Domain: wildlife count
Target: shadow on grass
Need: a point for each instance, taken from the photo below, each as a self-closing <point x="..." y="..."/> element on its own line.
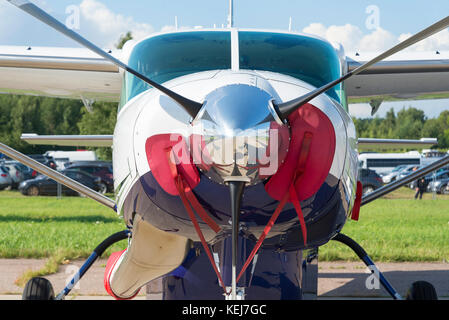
<point x="83" y="219"/>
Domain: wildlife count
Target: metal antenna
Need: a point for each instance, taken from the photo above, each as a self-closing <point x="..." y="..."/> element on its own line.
<point x="231" y="14"/>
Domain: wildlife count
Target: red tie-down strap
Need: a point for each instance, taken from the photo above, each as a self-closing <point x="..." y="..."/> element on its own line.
<point x="357" y="202"/>
<point x="187" y="193"/>
<point x="189" y="200"/>
<point x="289" y="195"/>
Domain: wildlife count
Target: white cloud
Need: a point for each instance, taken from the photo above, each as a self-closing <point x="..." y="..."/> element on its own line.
<point x="354" y="39"/>
<point x="348" y="35"/>
<point x="316" y="28"/>
<point x="106" y="26"/>
<point x="439" y="41"/>
<point x="378" y="40"/>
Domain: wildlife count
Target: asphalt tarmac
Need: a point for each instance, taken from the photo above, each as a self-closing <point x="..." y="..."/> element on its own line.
<point x="336" y="280"/>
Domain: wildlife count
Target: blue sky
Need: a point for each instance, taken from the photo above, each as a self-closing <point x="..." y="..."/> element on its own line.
<point x="345" y="21"/>
<point x="397" y="17"/>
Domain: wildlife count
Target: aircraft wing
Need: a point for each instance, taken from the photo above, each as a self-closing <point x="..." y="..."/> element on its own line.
<point x="69" y="140"/>
<point x="59" y="72"/>
<point x="422" y="75"/>
<point x="383" y="144"/>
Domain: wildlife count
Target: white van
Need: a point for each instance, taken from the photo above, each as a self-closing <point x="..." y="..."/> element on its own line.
<point x="62" y="157"/>
<point x="384" y="163"/>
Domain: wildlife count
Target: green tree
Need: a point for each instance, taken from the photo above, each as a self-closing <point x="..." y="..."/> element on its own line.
<point x="410" y="123"/>
<point x="123" y="39"/>
<point x="100" y="121"/>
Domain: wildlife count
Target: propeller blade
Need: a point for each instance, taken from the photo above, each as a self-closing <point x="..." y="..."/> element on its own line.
<point x="192" y="107"/>
<point x="286" y="108"/>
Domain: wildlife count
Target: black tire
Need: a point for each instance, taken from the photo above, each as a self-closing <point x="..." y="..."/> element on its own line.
<point x="102" y="188"/>
<point x="421" y="290"/>
<point x="38" y="289"/>
<point x="33" y="191"/>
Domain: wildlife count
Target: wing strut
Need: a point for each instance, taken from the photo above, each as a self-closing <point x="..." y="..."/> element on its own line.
<point x="407" y="179"/>
<point x="191" y="107"/>
<point x="57" y="176"/>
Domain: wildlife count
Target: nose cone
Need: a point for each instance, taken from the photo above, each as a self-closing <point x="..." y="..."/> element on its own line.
<point x="236" y="135"/>
<point x="236" y="107"/>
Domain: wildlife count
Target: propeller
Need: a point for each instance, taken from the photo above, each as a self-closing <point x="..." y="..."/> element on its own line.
<point x="285" y="109"/>
<point x="191" y="107"/>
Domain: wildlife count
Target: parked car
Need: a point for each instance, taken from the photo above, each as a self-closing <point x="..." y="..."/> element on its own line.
<point x="102" y="169"/>
<point x="393" y="174"/>
<point x="15" y="173"/>
<point x="428" y="177"/>
<point x="438" y="182"/>
<point x="43" y="185"/>
<point x="370" y="180"/>
<point x="27" y="172"/>
<point x="407" y="170"/>
<point x="48" y="161"/>
<point x="5" y="178"/>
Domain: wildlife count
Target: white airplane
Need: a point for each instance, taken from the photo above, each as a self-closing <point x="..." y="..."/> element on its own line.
<point x="234" y="154"/>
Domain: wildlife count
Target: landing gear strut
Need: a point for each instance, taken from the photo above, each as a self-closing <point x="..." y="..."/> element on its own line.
<point x="41" y="288"/>
<point x="236" y="190"/>
<point x="419" y="290"/>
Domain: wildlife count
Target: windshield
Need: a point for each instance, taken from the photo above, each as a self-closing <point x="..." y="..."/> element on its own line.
<point x="169" y="56"/>
<point x="308" y="59"/>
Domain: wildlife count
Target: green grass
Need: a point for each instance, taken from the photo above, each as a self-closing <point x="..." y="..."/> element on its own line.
<point x="398" y="228"/>
<point x="38" y="227"/>
<point x="395" y="228"/>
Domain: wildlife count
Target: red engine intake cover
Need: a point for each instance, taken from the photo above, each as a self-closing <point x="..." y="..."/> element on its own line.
<point x="307" y="119"/>
<point x="156" y="148"/>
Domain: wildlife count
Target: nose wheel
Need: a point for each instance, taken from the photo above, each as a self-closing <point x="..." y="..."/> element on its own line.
<point x="421" y="290"/>
<point x="38" y="289"/>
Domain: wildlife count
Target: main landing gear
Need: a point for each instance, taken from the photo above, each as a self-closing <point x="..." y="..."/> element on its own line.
<point x="419" y="290"/>
<point x="41" y="289"/>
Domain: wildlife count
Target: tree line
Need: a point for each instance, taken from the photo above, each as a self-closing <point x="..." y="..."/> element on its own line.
<point x="42" y="115"/>
<point x="410" y="123"/>
<point x="52" y="116"/>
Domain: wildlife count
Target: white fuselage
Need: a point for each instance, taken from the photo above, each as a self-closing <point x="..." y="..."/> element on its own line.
<point x="151" y="113"/>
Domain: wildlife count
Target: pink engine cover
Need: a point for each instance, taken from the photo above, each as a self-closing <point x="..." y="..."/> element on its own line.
<point x="321" y="153"/>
